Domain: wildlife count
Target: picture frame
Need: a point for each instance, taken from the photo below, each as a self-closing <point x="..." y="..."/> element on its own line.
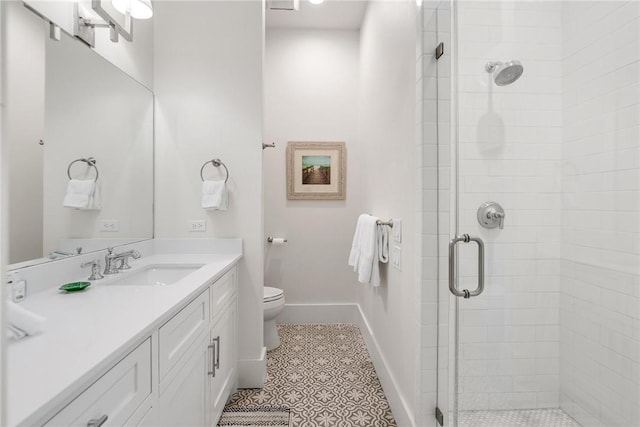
<point x="316" y="170"/>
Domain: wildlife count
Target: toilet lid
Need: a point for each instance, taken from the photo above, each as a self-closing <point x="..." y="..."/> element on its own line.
<point x="272" y="294"/>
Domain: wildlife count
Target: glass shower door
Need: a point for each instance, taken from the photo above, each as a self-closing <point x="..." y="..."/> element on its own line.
<point x="544" y="150"/>
<point x="506" y="155"/>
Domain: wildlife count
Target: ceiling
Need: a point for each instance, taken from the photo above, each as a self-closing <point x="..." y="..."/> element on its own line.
<point x="330" y="15"/>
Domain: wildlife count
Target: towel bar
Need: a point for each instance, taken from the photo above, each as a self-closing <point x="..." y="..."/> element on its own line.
<point x="389" y="223"/>
<point x="216" y="163"/>
<point x="89" y="161"/>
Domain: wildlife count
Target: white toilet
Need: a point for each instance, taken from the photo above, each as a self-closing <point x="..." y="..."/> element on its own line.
<point x="273" y="303"/>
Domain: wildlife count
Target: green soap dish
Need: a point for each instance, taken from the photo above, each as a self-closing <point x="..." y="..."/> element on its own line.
<point x="74" y="286"/>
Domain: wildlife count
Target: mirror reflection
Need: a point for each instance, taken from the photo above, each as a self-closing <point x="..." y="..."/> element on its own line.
<point x="73" y="117"/>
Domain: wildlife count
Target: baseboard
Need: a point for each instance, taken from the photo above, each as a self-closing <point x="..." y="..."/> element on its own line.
<point x="252" y="372"/>
<point x="401" y="412"/>
<point x="319" y="313"/>
<point x="351" y="313"/>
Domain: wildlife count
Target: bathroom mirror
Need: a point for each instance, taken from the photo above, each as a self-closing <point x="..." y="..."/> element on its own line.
<point x="64" y="102"/>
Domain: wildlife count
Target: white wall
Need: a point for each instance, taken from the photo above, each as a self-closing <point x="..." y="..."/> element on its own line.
<point x="600" y="311"/>
<point x="390" y="182"/>
<point x="25" y="127"/>
<point x="510" y="146"/>
<point x="311" y="89"/>
<point x="208" y="86"/>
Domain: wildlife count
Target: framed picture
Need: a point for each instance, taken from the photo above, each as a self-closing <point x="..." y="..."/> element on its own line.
<point x="316" y="170"/>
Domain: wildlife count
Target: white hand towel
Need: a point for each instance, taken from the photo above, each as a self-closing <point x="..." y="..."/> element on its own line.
<point x="23" y="320"/>
<point x="95" y="201"/>
<point x="80" y="194"/>
<point x="215" y="195"/>
<point x="364" y="250"/>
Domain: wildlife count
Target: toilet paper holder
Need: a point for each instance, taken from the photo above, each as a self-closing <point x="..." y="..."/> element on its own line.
<point x="270" y="239"/>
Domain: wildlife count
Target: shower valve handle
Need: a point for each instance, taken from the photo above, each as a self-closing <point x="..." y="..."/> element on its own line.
<point x="491" y="215"/>
<point x="495" y="215"/>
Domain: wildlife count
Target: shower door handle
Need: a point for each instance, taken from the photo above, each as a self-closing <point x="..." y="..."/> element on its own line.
<point x="465" y="293"/>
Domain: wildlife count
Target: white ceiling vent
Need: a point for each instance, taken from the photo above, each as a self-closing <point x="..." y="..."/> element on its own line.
<point x="284" y="4"/>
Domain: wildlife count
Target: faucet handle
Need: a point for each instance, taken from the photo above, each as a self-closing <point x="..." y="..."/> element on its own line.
<point x="95" y="269"/>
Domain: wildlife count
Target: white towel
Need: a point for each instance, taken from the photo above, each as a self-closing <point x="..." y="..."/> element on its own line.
<point x="82" y="194"/>
<point x="22" y="321"/>
<point x="215" y="196"/>
<point x="364" y="254"/>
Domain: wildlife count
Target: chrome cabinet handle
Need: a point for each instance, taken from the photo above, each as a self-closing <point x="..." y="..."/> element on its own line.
<point x="98" y="422"/>
<point x="217" y="362"/>
<point x="212" y="364"/>
<point x="465" y="293"/>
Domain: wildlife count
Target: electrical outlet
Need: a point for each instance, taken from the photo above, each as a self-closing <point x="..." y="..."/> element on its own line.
<point x="109" y="225"/>
<point x="198" y="225"/>
<point x="396" y="256"/>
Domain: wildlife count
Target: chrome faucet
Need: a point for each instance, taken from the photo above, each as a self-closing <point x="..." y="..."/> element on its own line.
<point x="111" y="260"/>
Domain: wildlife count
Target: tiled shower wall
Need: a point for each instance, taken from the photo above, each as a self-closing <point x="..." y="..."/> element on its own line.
<point x="510" y="147"/>
<point x="600" y="307"/>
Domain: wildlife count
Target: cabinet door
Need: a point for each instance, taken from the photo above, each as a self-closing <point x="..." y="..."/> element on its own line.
<point x="224" y="381"/>
<point x="184" y="394"/>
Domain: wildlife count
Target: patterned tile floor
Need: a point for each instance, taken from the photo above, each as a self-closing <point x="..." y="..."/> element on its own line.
<point x="323" y="373"/>
<point x="524" y="418"/>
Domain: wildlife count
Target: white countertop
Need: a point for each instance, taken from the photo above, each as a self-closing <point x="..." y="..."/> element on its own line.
<point x="88" y="331"/>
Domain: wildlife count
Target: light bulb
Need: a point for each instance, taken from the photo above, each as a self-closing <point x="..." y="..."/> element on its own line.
<point x="316" y="1"/>
<point x="139" y="9"/>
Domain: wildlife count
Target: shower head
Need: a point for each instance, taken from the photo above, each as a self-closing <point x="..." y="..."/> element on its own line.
<point x="504" y="73"/>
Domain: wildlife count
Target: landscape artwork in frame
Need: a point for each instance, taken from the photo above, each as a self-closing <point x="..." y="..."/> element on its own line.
<point x="316" y="170"/>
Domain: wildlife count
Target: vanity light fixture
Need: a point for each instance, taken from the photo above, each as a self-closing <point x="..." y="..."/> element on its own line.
<point x="118" y="26"/>
<point x="316" y="1"/>
<point x="138" y="9"/>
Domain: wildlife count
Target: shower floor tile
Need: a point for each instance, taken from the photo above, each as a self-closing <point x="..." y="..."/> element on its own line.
<point x="523" y="418"/>
<point x="323" y="373"/>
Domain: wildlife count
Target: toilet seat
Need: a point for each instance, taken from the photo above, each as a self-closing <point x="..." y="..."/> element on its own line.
<point x="272" y="294"/>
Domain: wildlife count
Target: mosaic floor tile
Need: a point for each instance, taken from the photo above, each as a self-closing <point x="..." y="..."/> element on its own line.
<point x="323" y="373"/>
<point x="524" y="418"/>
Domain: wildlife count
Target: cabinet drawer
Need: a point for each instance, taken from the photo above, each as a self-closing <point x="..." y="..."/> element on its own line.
<point x="115" y="395"/>
<point x="221" y="291"/>
<point x="179" y="333"/>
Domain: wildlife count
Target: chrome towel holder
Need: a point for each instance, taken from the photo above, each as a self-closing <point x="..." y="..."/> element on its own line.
<point x="389" y="223"/>
<point x="217" y="163"/>
<point x="89" y="161"/>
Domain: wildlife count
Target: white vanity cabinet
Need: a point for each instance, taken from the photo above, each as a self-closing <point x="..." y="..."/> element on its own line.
<point x="195" y="388"/>
<point x="115" y="397"/>
<point x="181" y="374"/>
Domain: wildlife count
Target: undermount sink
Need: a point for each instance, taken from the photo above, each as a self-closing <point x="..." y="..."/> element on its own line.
<point x="155" y="275"/>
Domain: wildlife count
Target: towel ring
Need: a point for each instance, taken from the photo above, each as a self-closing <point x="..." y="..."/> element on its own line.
<point x="89" y="161"/>
<point x="216" y="163"/>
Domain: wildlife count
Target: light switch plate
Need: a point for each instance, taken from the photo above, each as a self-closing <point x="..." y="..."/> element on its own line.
<point x="396" y="257"/>
<point x="396" y="230"/>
